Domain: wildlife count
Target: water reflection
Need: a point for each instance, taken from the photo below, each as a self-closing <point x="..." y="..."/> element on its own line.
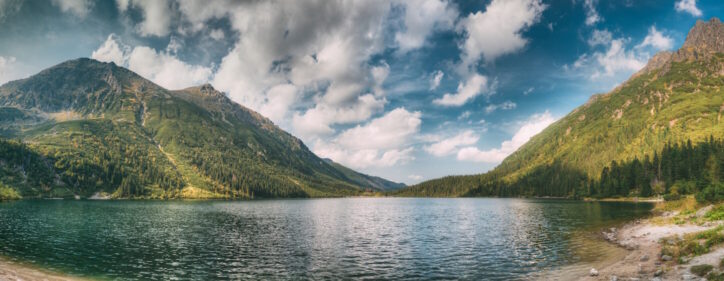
<point x="355" y="238"/>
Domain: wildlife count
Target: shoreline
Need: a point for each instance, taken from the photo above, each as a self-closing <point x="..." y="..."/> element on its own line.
<point x="644" y="240"/>
<point x="11" y="270"/>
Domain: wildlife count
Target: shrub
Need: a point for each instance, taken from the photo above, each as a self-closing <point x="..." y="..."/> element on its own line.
<point x="672" y="197"/>
<point x="8" y="193"/>
<point x="712" y="193"/>
<point x="701" y="269"/>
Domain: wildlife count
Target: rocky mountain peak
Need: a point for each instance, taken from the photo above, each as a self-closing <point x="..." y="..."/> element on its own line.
<point x="706" y="35"/>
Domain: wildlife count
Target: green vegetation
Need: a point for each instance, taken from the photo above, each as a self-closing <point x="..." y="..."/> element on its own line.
<point x="678" y="170"/>
<point x="7" y="193"/>
<point x="702" y="269"/>
<point x="638" y="140"/>
<point x="85" y="127"/>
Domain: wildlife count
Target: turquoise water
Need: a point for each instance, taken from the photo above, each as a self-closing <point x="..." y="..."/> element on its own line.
<point x="350" y="238"/>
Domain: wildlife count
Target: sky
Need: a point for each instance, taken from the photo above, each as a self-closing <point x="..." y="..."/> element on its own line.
<point x="406" y="90"/>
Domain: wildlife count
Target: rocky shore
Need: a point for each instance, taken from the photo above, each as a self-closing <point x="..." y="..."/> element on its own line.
<point x="645" y="239"/>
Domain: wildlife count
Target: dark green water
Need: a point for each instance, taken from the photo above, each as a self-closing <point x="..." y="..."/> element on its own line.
<point x="353" y="238"/>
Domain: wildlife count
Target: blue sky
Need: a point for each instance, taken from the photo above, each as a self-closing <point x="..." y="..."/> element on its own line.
<point x="406" y="90"/>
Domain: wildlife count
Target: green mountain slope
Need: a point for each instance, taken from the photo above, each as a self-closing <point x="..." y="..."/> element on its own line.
<point x="95" y="128"/>
<point x="677" y="97"/>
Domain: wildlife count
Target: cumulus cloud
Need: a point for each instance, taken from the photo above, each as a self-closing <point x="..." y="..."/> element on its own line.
<point x="79" y="8"/>
<point x="317" y="121"/>
<point x="327" y="57"/>
<point x="280" y="99"/>
<point x="157" y="15"/>
<point x="657" y="40"/>
<point x="534" y="125"/>
<point x="600" y="37"/>
<point x="436" y="78"/>
<point x="217" y="34"/>
<point x="382" y="142"/>
<point x="474" y="86"/>
<point x="613" y="58"/>
<point x="498" y="30"/>
<point x="450" y="145"/>
<point x="688" y="6"/>
<point x="161" y="67"/>
<point x="506" y="105"/>
<point x="112" y="50"/>
<point x="421" y="18"/>
<point x="592" y="16"/>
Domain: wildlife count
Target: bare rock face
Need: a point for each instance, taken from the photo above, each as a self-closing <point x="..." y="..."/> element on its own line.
<point x="704" y="40"/>
<point x="706" y="36"/>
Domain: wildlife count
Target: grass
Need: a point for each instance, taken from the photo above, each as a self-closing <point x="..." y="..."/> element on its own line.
<point x="8" y="193"/>
<point x="694" y="244"/>
<point x="702" y="269"/>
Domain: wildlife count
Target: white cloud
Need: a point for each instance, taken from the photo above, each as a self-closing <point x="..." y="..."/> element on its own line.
<point x="688" y="6"/>
<point x="497" y="31"/>
<point x="382" y="142"/>
<point x="379" y="75"/>
<point x="657" y="40"/>
<point x="592" y="16"/>
<point x="506" y="105"/>
<point x="474" y="86"/>
<point x="8" y="69"/>
<point x="450" y="145"/>
<point x="326" y="56"/>
<point x="280" y="99"/>
<point x="111" y="50"/>
<point x="415" y="177"/>
<point x="162" y="67"/>
<point x="600" y="37"/>
<point x="436" y="78"/>
<point x="615" y="60"/>
<point x="217" y="34"/>
<point x="465" y="115"/>
<point x="79" y="8"/>
<point x="317" y="121"/>
<point x="528" y="91"/>
<point x="156" y="16"/>
<point x="534" y="125"/>
<point x="421" y="18"/>
<point x="389" y="131"/>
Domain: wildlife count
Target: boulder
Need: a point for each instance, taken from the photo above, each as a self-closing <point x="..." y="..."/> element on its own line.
<point x="593" y="272"/>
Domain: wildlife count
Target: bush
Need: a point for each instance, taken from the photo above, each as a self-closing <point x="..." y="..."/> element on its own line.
<point x="702" y="269"/>
<point x="672" y="197"/>
<point x="712" y="193"/>
<point x="8" y="193"/>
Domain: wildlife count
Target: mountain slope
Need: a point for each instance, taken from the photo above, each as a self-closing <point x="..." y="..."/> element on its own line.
<point x="101" y="128"/>
<point x="677" y="97"/>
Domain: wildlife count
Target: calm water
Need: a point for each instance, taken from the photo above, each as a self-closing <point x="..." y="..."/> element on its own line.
<point x="354" y="238"/>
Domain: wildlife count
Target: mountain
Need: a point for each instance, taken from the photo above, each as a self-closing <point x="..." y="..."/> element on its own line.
<point x="677" y="98"/>
<point x="86" y="128"/>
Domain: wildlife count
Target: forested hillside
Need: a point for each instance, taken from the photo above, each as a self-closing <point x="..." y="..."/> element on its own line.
<point x="85" y="128"/>
<point x="676" y="101"/>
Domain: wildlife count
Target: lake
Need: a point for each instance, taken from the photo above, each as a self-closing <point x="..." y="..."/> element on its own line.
<point x="348" y="238"/>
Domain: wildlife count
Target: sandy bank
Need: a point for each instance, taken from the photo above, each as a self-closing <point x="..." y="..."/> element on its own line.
<point x="12" y="271"/>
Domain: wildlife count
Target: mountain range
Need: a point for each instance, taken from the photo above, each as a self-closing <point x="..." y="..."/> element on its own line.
<point x="678" y="97"/>
<point x="85" y="128"/>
